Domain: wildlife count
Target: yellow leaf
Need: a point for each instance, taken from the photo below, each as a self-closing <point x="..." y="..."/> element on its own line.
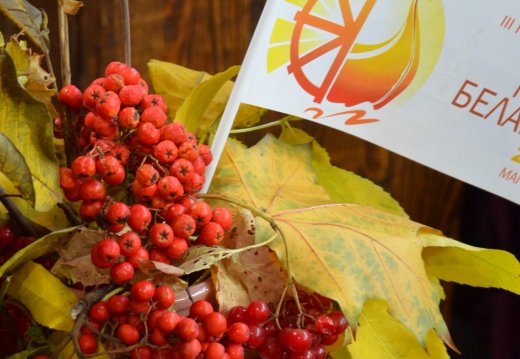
<point x="28" y="125"/>
<point x="379" y="336"/>
<point x="49" y="300"/>
<point x="342" y="186"/>
<point x="175" y="83"/>
<point x="454" y="261"/>
<point x="41" y="247"/>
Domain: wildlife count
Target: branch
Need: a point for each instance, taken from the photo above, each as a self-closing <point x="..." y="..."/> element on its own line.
<point x="125" y="24"/>
<point x="16" y="214"/>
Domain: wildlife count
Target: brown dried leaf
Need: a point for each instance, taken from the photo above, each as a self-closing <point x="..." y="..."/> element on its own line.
<point x="71" y="7"/>
<point x="74" y="263"/>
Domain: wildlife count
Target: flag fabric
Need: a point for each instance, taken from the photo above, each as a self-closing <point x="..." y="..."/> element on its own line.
<point x="435" y="81"/>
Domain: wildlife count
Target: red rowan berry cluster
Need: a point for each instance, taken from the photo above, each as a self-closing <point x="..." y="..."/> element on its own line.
<point x="126" y="141"/>
<point x="146" y="324"/>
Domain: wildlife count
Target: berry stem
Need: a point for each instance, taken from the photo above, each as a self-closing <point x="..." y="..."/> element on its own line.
<point x="16" y="214"/>
<point x="125" y="24"/>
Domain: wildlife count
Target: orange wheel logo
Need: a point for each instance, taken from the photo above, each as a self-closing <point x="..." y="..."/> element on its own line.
<point x="354" y="52"/>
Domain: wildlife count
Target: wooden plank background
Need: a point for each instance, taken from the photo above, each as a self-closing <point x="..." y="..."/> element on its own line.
<point x="212" y="35"/>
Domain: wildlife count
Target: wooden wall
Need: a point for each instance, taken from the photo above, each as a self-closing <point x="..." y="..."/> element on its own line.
<point x="212" y="35"/>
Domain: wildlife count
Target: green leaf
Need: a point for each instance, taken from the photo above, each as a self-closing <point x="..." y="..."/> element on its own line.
<point x="40" y="247"/>
<point x="45" y="296"/>
<point x="454" y="261"/>
<point x="174" y="83"/>
<point x="13" y="166"/>
<point x="192" y="109"/>
<point x="341" y="185"/>
<point x="28" y="125"/>
<point x="31" y="20"/>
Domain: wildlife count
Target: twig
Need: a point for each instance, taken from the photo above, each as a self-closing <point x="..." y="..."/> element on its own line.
<point x="71" y="215"/>
<point x="64" y="45"/>
<point x="16" y="214"/>
<point x="125" y="24"/>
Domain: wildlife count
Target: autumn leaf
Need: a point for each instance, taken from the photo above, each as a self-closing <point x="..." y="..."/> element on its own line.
<point x="31" y="20"/>
<point x="75" y="264"/>
<point x="45" y="296"/>
<point x="71" y="7"/>
<point x="341" y="185"/>
<point x="14" y="167"/>
<point x="175" y="83"/>
<point x="347" y="252"/>
<point x="377" y="333"/>
<point x="28" y="125"/>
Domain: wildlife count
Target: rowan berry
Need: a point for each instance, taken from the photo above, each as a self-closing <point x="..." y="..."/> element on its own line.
<point x="201" y="213"/>
<point x="140" y="218"/>
<point x="122" y="272"/>
<point x="142" y="290"/>
<point x="189" y="151"/>
<point x="222" y="216"/>
<point x="238" y="332"/>
<point x="187" y="329"/>
<point x="128" y="334"/>
<point x="168" y="321"/>
<point x="158" y="337"/>
<point x="99" y="312"/>
<point x="118" y="304"/>
<point x="108" y="105"/>
<point x="200" y="309"/>
<point x="175" y="132"/>
<point x="129" y="242"/>
<point x="173" y="211"/>
<point x="205" y="153"/>
<point x="105" y="127"/>
<point x="92" y="94"/>
<point x="92" y="190"/>
<point x="184" y="226"/>
<point x="154" y="100"/>
<point x="147" y="175"/>
<point x="182" y="169"/>
<point x="114" y="82"/>
<point x="215" y="324"/>
<point x="164" y="296"/>
<point x="138" y="257"/>
<point x="194" y="184"/>
<point x="143" y="193"/>
<point x="166" y="152"/>
<point x="128" y="118"/>
<point x="87" y="210"/>
<point x="116" y="178"/>
<point x="144" y="87"/>
<point x="178" y="247"/>
<point x="121" y="152"/>
<point x="199" y="166"/>
<point x="154" y="115"/>
<point x="83" y="167"/>
<point x="147" y="134"/>
<point x="190" y="349"/>
<point x="108" y="251"/>
<point x="187" y="202"/>
<point x="71" y="97"/>
<point x="113" y="67"/>
<point x="67" y="179"/>
<point x="161" y="235"/>
<point x="87" y="344"/>
<point x="170" y="188"/>
<point x="130" y="74"/>
<point x="215" y="351"/>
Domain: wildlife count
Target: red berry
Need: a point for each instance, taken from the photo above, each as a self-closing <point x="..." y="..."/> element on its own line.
<point x="158" y="337"/>
<point x="87" y="210"/>
<point x="131" y="95"/>
<point x="184" y="226"/>
<point x="235" y="351"/>
<point x="205" y="153"/>
<point x="238" y="332"/>
<point x="166" y="152"/>
<point x="340" y="322"/>
<point x="199" y="166"/>
<point x="136" y="259"/>
<point x="182" y="169"/>
<point x="140" y="218"/>
<point x="6" y="236"/>
<point x="142" y="290"/>
<point x="67" y="179"/>
<point x="83" y="166"/>
<point x="170" y="188"/>
<point x="257" y="312"/>
<point x="211" y="234"/>
<point x="128" y="334"/>
<point x="114" y="82"/>
<point x="128" y="118"/>
<point x="161" y="235"/>
<point x="118" y="304"/>
<point x="173" y="211"/>
<point x="190" y="349"/>
<point x="99" y="312"/>
<point x="201" y="309"/>
<point x="168" y="321"/>
<point x="154" y="100"/>
<point x="71" y="97"/>
<point x="116" y="178"/>
<point x="114" y="67"/>
<point x="108" y="105"/>
<point x="143" y="352"/>
<point x="121" y="152"/>
<point x="178" y="247"/>
<point x="107" y="165"/>
<point x="194" y="184"/>
<point x="129" y="242"/>
<point x="215" y="351"/>
<point x="131" y="75"/>
<point x="237" y="314"/>
<point x="147" y="134"/>
<point x="87" y="344"/>
<point x="147" y="175"/>
<point x="187" y="329"/>
<point x="189" y="151"/>
<point x="297" y="340"/>
<point x="92" y="190"/>
<point x="215" y="324"/>
<point x="92" y="94"/>
<point x="122" y="272"/>
<point x="256" y="336"/>
<point x="222" y="216"/>
<point x="164" y="296"/>
<point x="106" y="251"/>
<point x="117" y="213"/>
<point x="154" y="115"/>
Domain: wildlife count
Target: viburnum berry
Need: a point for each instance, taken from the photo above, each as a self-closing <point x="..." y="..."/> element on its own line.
<point x="131" y="95"/>
<point x="154" y="115"/>
<point x="108" y="105"/>
<point x="168" y="321"/>
<point x="122" y="272"/>
<point x="87" y="344"/>
<point x="158" y="337"/>
<point x="129" y="243"/>
<point x="238" y="332"/>
<point x="142" y="290"/>
<point x="235" y="351"/>
<point x="215" y="324"/>
<point x="340" y="321"/>
<point x="71" y="97"/>
<point x="166" y="152"/>
<point x="297" y="340"/>
<point x="140" y="218"/>
<point x="83" y="166"/>
<point x="211" y="234"/>
<point x="257" y="312"/>
<point x="143" y="352"/>
<point x="190" y="349"/>
<point x="92" y="94"/>
<point x="256" y="336"/>
<point x="187" y="329"/>
<point x="236" y="314"/>
<point x="147" y="134"/>
<point x="128" y="334"/>
<point x="99" y="312"/>
<point x="215" y="351"/>
<point x="128" y="118"/>
<point x="164" y="296"/>
<point x="6" y="236"/>
<point x="324" y="325"/>
<point x="200" y="309"/>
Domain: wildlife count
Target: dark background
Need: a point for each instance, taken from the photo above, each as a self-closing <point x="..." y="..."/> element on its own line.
<point x="212" y="35"/>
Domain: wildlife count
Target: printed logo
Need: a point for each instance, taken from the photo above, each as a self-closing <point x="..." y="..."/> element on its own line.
<point x="358" y="51"/>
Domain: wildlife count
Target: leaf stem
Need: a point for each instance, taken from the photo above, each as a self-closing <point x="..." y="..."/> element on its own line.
<point x="125" y="24"/>
<point x="281" y="122"/>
